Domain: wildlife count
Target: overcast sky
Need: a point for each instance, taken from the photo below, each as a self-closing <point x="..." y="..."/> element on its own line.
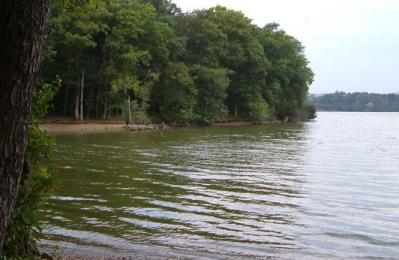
<point x="352" y="45"/>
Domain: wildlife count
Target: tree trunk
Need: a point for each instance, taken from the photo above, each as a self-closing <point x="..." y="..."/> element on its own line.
<point x="82" y="85"/>
<point x="23" y="27"/>
<point x="77" y="98"/>
<point x="130" y="111"/>
<point x="77" y="101"/>
<point x="105" y="106"/>
<point x="235" y="110"/>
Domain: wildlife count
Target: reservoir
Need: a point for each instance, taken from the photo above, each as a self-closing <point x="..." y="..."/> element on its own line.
<point x="328" y="188"/>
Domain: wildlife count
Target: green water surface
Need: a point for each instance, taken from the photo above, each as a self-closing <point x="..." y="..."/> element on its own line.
<point x="327" y="188"/>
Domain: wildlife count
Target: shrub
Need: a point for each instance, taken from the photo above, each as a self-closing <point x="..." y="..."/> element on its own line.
<point x="24" y="230"/>
<point x="258" y="110"/>
<point x="309" y="112"/>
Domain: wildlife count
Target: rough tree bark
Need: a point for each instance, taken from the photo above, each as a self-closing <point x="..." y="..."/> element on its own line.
<point x="23" y="27"/>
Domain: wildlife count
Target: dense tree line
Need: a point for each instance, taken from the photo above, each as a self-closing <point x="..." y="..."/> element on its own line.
<point x="358" y="101"/>
<point x="146" y="59"/>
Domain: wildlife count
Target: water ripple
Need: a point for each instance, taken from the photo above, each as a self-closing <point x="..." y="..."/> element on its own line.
<point x="324" y="189"/>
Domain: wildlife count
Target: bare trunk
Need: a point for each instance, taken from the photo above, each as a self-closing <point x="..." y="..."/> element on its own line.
<point x="23" y="27"/>
<point x="77" y="99"/>
<point x="105" y="113"/>
<point x="82" y="85"/>
<point x="235" y="110"/>
<point x="130" y="111"/>
<point x="77" y="103"/>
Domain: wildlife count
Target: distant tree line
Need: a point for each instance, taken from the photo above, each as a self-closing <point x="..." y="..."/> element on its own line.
<point x="358" y="101"/>
<point x="146" y="59"/>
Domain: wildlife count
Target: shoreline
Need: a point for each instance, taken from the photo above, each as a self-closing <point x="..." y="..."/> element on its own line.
<point x="81" y="128"/>
<point x="69" y="250"/>
<point x="71" y="127"/>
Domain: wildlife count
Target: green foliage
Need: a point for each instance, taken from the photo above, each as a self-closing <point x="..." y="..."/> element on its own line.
<point x="177" y="97"/>
<point x="258" y="109"/>
<point x="40" y="144"/>
<point x="164" y="7"/>
<point x="309" y="112"/>
<point x="211" y="85"/>
<point x="288" y="79"/>
<point x="42" y="99"/>
<point x="137" y="111"/>
<point x="341" y="101"/>
<point x="111" y="41"/>
<point x="24" y="230"/>
<point x="241" y="54"/>
<point x="179" y="67"/>
<point x="206" y="43"/>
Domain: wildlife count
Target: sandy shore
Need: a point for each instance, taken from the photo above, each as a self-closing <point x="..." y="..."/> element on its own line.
<point x="74" y="128"/>
<point x="81" y="128"/>
<point x="101" y="127"/>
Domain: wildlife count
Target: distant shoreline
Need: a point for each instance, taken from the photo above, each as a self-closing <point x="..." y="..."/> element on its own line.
<point x="355" y="102"/>
<point x="349" y="111"/>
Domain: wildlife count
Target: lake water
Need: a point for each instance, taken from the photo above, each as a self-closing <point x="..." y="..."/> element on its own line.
<point x="322" y="189"/>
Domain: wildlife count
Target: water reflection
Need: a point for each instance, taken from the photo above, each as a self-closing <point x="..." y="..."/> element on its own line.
<point x="321" y="189"/>
<point x="222" y="190"/>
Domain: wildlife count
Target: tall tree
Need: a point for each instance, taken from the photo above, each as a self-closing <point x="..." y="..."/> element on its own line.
<point x="72" y="35"/>
<point x="245" y="58"/>
<point x="23" y="27"/>
<point x="163" y="7"/>
<point x="289" y="77"/>
<point x="211" y="84"/>
<point x="126" y="50"/>
<point x="177" y="94"/>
